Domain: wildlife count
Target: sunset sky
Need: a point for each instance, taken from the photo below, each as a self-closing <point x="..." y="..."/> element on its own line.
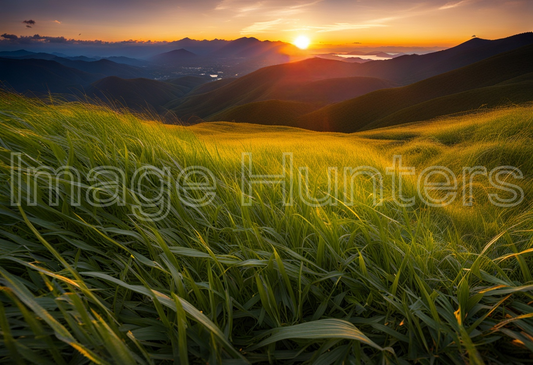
<point x="369" y="22"/>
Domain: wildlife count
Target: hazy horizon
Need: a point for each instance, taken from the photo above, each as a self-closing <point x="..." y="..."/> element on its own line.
<point x="328" y="24"/>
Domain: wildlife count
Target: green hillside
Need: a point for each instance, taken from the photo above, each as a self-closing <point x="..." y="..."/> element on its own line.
<point x="189" y="83"/>
<point x="413" y="68"/>
<point x="359" y="280"/>
<point x="299" y="99"/>
<point x="323" y="92"/>
<point x="210" y="86"/>
<point x="267" y="83"/>
<point x="372" y="108"/>
<point x="141" y="94"/>
<point x="270" y="112"/>
<point x="506" y="93"/>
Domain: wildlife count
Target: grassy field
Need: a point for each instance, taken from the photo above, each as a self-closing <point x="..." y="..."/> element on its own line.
<point x="347" y="283"/>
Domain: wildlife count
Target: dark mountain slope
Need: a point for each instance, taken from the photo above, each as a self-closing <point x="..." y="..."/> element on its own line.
<point x="127" y="61"/>
<point x="139" y="94"/>
<point x="297" y="99"/>
<point x="369" y="109"/>
<point x="270" y="112"/>
<point x="211" y="86"/>
<point x="42" y="76"/>
<point x="14" y="54"/>
<point x="104" y="67"/>
<point x="486" y="97"/>
<point x="285" y="81"/>
<point x="252" y="48"/>
<point x="175" y="57"/>
<point x="189" y="82"/>
<point x="262" y="85"/>
<point x="412" y="68"/>
<point x="323" y="92"/>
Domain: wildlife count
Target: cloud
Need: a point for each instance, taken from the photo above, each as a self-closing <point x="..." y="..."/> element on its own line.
<point x="260" y="27"/>
<point x="38" y="39"/>
<point x="347" y="26"/>
<point x="57" y="22"/>
<point x="29" y="23"/>
<point x="336" y="27"/>
<point x="267" y="8"/>
<point x="11" y="37"/>
<point x="453" y="4"/>
<point x="284" y="11"/>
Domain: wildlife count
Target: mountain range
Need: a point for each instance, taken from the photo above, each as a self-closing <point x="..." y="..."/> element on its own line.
<point x="498" y="80"/>
<point x="316" y="93"/>
<point x="297" y="81"/>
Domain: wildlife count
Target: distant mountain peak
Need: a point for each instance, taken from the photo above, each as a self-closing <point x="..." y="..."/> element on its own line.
<point x="181" y="52"/>
<point x="247" y="39"/>
<point x="175" y="56"/>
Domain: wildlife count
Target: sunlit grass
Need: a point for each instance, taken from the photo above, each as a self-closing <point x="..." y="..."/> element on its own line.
<point x="267" y="283"/>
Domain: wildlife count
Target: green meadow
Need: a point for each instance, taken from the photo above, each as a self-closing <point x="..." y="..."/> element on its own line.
<point x="361" y="280"/>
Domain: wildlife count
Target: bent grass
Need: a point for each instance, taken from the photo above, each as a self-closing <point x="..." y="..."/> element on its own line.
<point x="225" y="283"/>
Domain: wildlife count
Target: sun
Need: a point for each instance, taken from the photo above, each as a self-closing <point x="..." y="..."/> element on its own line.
<point x="302" y="42"/>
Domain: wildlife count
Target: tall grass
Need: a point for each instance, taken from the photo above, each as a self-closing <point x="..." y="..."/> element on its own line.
<point x="266" y="283"/>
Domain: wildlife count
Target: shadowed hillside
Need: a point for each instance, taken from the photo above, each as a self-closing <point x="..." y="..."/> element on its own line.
<point x="176" y="57"/>
<point x="111" y="66"/>
<point x="275" y="81"/>
<point x="104" y="67"/>
<point x="412" y="68"/>
<point x="329" y="91"/>
<point x="505" y="93"/>
<point x="42" y="76"/>
<point x="188" y="83"/>
<point x="371" y="109"/>
<point x="140" y="94"/>
<point x="211" y="86"/>
<point x="270" y="112"/>
<point x="292" y="81"/>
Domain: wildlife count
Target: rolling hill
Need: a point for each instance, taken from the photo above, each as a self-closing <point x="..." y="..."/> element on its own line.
<point x="290" y="81"/>
<point x="141" y="94"/>
<point x="298" y="99"/>
<point x="270" y="112"/>
<point x="23" y="54"/>
<point x="412" y="68"/>
<point x="355" y="278"/>
<point x="211" y="86"/>
<point x="42" y="76"/>
<point x="275" y="81"/>
<point x="492" y="81"/>
<point x="502" y="94"/>
<point x="126" y="61"/>
<point x="328" y="91"/>
<point x="57" y="74"/>
<point x="15" y="54"/>
<point x="104" y="67"/>
<point x="189" y="83"/>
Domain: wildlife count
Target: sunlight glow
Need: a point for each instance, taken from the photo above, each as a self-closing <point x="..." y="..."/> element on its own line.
<point x="302" y="42"/>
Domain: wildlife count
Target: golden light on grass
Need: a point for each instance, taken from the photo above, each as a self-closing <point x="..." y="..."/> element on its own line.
<point x="302" y="42"/>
